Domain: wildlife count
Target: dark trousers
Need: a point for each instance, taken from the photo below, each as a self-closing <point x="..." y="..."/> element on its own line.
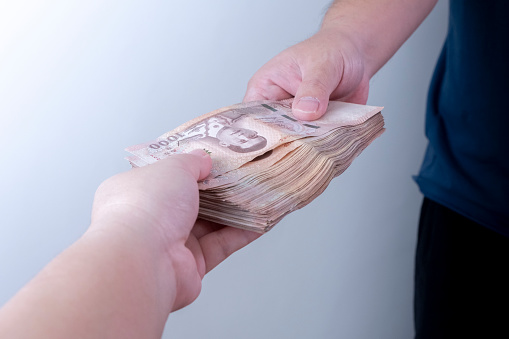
<point x="461" y="277"/>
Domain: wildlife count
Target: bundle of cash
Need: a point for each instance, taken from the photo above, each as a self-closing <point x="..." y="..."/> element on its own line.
<point x="265" y="162"/>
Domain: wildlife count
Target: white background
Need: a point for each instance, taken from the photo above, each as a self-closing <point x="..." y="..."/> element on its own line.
<point x="82" y="80"/>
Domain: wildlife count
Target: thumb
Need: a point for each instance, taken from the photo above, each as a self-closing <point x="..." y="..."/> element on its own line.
<point x="312" y="97"/>
<point x="201" y="162"/>
<point x="197" y="163"/>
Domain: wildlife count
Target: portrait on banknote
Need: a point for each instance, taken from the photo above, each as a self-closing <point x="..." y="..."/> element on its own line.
<point x="226" y="130"/>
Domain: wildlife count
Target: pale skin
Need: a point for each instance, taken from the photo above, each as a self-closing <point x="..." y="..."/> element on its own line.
<point x="145" y="253"/>
<point x="356" y="39"/>
<point x="143" y="256"/>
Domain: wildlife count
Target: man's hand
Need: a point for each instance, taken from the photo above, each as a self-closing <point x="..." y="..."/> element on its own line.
<point x="326" y="66"/>
<point x="356" y="39"/>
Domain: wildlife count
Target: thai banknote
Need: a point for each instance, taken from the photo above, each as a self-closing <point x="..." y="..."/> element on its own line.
<point x="237" y="134"/>
<point x="266" y="163"/>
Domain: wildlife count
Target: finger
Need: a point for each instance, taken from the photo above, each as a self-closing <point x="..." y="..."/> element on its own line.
<point x="193" y="245"/>
<point x="312" y="97"/>
<point x="253" y="94"/>
<point x="197" y="162"/>
<point x="204" y="227"/>
<point x="205" y="162"/>
<point x="264" y="90"/>
<point x="219" y="245"/>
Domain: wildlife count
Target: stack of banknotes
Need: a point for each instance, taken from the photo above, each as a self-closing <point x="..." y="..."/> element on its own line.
<point x="265" y="162"/>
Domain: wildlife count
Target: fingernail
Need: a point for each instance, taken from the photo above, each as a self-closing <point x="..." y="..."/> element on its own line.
<point x="200" y="152"/>
<point x="307" y="105"/>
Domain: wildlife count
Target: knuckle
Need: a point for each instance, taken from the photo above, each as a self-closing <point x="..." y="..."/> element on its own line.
<point x="315" y="86"/>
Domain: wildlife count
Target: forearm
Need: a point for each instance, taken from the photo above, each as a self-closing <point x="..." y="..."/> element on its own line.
<point x="103" y="286"/>
<point x="377" y="27"/>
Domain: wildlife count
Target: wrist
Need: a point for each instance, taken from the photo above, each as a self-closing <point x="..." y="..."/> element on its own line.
<point x="379" y="27"/>
<point x="355" y="46"/>
<point x="138" y="253"/>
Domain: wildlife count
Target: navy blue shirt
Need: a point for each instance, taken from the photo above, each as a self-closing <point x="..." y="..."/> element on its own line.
<point x="466" y="165"/>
